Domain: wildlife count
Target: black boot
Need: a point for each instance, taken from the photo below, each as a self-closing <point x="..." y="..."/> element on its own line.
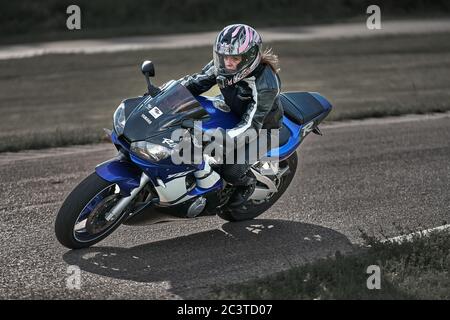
<point x="241" y="194"/>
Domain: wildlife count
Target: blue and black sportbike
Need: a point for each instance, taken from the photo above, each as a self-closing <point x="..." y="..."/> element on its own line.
<point x="143" y="185"/>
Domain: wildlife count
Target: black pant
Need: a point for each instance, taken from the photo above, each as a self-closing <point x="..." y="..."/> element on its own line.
<point x="236" y="174"/>
<point x="239" y="174"/>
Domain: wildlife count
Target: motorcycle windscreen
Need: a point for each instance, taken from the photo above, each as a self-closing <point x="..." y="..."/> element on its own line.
<point x="169" y="108"/>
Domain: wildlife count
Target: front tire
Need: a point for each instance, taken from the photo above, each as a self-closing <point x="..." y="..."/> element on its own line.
<point x="250" y="210"/>
<point x="89" y="200"/>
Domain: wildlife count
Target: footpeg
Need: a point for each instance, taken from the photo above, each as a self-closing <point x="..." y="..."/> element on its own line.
<point x="317" y="131"/>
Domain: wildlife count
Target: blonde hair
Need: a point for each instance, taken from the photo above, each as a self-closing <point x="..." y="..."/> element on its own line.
<point x="271" y="59"/>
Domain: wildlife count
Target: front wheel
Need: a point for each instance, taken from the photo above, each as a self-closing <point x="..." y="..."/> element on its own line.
<point x="81" y="220"/>
<point x="251" y="209"/>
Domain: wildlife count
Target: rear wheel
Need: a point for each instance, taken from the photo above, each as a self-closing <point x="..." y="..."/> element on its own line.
<point x="81" y="220"/>
<point x="252" y="209"/>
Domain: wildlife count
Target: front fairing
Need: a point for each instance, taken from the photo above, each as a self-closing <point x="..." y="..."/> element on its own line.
<point x="132" y="103"/>
<point x="156" y="119"/>
<point x="164" y="112"/>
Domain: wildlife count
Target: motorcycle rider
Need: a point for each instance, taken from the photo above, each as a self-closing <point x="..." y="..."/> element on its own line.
<point x="249" y="83"/>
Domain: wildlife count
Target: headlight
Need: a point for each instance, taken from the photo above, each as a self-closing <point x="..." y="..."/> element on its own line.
<point x="119" y="119"/>
<point x="150" y="151"/>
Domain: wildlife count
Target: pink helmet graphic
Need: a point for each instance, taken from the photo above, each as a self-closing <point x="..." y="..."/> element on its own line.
<point x="236" y="40"/>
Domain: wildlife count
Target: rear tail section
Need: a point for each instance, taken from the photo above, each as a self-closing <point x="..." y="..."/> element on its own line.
<point x="303" y="107"/>
<point x="303" y="112"/>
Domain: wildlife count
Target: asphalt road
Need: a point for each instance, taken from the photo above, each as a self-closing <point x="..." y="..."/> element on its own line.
<point x="374" y="175"/>
<point x="189" y="40"/>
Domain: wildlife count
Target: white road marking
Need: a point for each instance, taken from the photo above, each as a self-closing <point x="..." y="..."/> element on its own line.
<point x="175" y="41"/>
<point x="420" y="234"/>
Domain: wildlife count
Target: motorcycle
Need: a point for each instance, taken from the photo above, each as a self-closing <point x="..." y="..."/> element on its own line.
<point x="142" y="185"/>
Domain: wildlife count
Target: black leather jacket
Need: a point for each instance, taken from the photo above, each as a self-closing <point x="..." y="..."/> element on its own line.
<point x="254" y="99"/>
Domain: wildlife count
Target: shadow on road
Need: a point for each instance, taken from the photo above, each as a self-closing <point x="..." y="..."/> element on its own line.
<point x="238" y="252"/>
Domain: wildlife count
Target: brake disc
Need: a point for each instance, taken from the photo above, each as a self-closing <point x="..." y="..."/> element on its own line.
<point x="96" y="221"/>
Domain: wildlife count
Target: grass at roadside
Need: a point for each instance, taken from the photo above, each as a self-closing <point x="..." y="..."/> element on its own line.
<point x="76" y="95"/>
<point x="52" y="139"/>
<point x="411" y="270"/>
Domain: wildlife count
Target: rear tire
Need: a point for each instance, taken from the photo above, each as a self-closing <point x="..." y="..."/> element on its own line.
<point x="74" y="204"/>
<point x="250" y="210"/>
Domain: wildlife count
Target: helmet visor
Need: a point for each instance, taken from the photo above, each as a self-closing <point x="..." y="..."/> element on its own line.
<point x="228" y="64"/>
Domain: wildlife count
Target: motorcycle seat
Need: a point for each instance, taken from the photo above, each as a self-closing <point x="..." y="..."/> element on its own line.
<point x="300" y="107"/>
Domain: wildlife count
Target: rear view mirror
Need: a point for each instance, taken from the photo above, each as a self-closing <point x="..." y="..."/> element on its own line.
<point x="148" y="69"/>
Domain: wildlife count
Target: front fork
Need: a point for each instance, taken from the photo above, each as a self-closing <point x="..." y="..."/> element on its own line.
<point x="130" y="179"/>
<point x="124" y="202"/>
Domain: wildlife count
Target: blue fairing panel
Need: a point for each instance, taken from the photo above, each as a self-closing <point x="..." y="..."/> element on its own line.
<point x="218" y="118"/>
<point x="197" y="191"/>
<point x="284" y="151"/>
<point x="125" y="174"/>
